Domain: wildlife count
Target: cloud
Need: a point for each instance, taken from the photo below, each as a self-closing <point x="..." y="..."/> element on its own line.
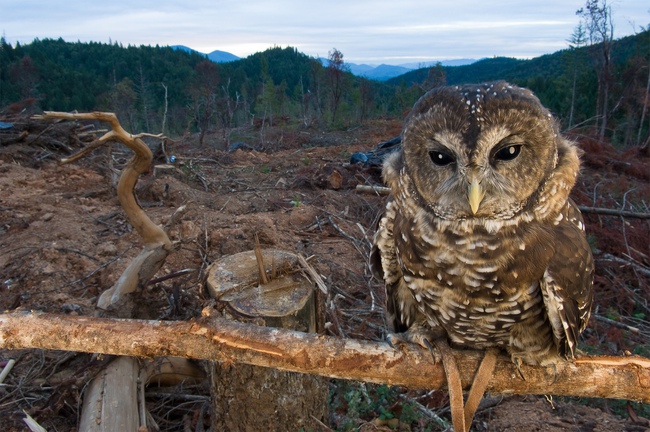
<point x="365" y="31"/>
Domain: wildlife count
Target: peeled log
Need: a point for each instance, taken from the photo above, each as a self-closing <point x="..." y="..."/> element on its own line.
<point x="217" y="339"/>
<point x="111" y="400"/>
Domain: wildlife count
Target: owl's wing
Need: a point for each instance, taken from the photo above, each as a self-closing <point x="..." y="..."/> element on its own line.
<point x="401" y="310"/>
<point x="567" y="285"/>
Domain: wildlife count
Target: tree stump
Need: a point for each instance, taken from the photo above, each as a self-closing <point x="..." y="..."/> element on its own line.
<point x="270" y="288"/>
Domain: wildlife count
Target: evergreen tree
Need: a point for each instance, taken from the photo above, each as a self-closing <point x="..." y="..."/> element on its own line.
<point x="336" y="74"/>
<point x="598" y="17"/>
<point x="204" y="92"/>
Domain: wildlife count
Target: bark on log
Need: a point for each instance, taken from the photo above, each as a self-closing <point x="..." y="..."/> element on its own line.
<point x="217" y="339"/>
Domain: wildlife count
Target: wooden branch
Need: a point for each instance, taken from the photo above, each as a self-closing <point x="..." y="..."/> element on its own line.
<point x="381" y="190"/>
<point x="627" y="262"/>
<point x="113" y="400"/>
<point x="216" y="339"/>
<point x="614" y="212"/>
<point x="140" y="164"/>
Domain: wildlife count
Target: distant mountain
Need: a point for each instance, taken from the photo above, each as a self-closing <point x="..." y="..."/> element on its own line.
<point x="222" y="56"/>
<point x="356" y="69"/>
<point x="384" y="72"/>
<point x="456" y="62"/>
<point x="216" y="55"/>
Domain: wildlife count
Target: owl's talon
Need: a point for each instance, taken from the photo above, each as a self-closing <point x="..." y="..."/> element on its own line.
<point x="397" y="340"/>
<point x="436" y="357"/>
<point x="394" y="341"/>
<point x="518" y="362"/>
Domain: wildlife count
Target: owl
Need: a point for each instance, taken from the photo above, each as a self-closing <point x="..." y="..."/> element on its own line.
<point x="480" y="243"/>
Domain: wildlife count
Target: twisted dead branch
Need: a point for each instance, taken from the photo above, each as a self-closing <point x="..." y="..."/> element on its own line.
<point x="156" y="242"/>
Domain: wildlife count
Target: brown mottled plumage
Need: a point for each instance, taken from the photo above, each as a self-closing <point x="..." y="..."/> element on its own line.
<point x="480" y="242"/>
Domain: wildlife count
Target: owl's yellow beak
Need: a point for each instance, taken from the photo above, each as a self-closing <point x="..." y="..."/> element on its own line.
<point x="475" y="195"/>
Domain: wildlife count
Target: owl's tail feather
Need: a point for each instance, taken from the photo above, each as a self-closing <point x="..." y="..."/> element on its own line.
<point x="462" y="414"/>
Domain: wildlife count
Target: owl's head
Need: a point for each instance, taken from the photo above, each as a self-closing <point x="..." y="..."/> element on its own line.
<point x="483" y="151"/>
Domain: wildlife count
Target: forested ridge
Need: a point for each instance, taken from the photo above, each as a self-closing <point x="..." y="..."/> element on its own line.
<point x="552" y="77"/>
<point x="161" y="89"/>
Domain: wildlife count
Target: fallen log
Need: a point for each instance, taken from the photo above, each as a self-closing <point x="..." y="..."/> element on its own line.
<point x="216" y="339"/>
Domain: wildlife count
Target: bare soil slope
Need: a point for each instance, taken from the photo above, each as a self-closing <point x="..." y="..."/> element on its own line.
<point x="64" y="239"/>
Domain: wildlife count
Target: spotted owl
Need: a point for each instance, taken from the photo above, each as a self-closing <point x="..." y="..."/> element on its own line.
<point x="480" y="242"/>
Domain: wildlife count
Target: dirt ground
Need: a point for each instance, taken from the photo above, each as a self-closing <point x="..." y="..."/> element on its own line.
<point x="64" y="239"/>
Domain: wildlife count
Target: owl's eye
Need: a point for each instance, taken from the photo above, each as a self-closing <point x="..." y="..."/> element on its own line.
<point x="508" y="153"/>
<point x="441" y="158"/>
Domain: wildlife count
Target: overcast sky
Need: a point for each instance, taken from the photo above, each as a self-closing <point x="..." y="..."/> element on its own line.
<point x="365" y="31"/>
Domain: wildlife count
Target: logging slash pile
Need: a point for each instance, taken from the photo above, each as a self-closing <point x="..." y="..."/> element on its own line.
<point x="64" y="239"/>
